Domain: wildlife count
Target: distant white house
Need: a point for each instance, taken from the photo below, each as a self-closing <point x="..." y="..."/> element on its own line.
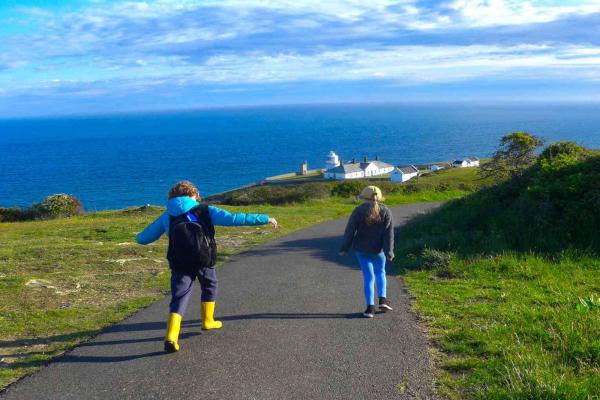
<point x="354" y="170"/>
<point x="345" y="171"/>
<point x="403" y="174"/>
<point x="474" y="161"/>
<point x="439" y="166"/>
<point x="375" y="167"/>
<point x="466" y="162"/>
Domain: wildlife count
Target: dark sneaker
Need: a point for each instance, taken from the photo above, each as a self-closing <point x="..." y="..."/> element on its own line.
<point x="384" y="305"/>
<point x="171" y="347"/>
<point x="369" y="312"/>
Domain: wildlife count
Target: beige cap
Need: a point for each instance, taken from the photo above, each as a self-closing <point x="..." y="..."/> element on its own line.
<point x="371" y="193"/>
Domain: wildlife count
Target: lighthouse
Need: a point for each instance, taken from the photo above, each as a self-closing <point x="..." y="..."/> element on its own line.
<point x="332" y="160"/>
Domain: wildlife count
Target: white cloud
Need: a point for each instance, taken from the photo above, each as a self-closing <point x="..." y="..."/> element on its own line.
<point x="479" y="13"/>
<point x="404" y="65"/>
<point x="136" y="44"/>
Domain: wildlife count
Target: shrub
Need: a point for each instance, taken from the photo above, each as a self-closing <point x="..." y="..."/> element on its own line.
<point x="564" y="149"/>
<point x="553" y="206"/>
<point x="442" y="187"/>
<point x="348" y="189"/>
<point x="436" y="259"/>
<point x="58" y="205"/>
<point x="411" y="188"/>
<point x="467" y="187"/>
<point x="276" y="194"/>
<point x="14" y="214"/>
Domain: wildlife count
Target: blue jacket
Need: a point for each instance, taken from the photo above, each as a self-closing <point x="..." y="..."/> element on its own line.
<point x="183" y="204"/>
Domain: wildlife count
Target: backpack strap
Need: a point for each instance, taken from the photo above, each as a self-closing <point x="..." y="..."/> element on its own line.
<point x="203" y="214"/>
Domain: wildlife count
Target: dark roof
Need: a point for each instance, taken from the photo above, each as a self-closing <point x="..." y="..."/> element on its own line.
<point x="460" y="161"/>
<point x="345" y="169"/>
<point x="408" y="170"/>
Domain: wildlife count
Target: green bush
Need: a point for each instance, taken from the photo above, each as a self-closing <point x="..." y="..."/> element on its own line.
<point x="442" y="187"/>
<point x="57" y="206"/>
<point x="349" y="188"/>
<point x="436" y="259"/>
<point x="277" y="194"/>
<point x="467" y="187"/>
<point x="553" y="206"/>
<point x="563" y="153"/>
<point x="14" y="214"/>
<point x="412" y="188"/>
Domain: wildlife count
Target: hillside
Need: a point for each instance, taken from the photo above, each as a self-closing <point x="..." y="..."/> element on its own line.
<point x="507" y="280"/>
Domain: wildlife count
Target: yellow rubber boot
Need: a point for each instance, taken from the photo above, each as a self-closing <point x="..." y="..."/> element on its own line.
<point x="208" y="312"/>
<point x="173" y="326"/>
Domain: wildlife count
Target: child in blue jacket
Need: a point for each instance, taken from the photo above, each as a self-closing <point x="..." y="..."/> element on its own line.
<point x="183" y="197"/>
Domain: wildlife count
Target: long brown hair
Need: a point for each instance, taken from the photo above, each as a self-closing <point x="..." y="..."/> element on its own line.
<point x="373" y="214"/>
<point x="373" y="195"/>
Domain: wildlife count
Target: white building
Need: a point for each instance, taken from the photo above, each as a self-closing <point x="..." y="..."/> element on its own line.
<point x="437" y="167"/>
<point x="474" y="161"/>
<point x="466" y="162"/>
<point x="354" y="170"/>
<point x="345" y="171"/>
<point x="332" y="161"/>
<point x="403" y="174"/>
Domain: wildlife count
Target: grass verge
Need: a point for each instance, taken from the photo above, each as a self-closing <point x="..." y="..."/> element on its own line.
<point x="508" y="281"/>
<point x="510" y="326"/>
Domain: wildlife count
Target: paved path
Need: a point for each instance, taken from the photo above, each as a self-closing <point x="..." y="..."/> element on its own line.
<point x="293" y="329"/>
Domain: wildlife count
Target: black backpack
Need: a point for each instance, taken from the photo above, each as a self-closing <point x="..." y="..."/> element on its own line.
<point x="192" y="244"/>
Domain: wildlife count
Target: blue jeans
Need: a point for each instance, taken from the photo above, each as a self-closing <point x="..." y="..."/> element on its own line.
<point x="373" y="269"/>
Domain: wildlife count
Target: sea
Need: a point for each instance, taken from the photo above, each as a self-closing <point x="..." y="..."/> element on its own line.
<point x="123" y="160"/>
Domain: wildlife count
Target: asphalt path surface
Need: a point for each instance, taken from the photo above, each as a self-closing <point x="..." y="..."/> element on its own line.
<point x="292" y="329"/>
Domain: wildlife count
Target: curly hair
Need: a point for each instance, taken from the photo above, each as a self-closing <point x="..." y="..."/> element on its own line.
<point x="184" y="188"/>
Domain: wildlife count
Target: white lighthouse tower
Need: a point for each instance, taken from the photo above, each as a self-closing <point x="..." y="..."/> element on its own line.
<point x="332" y="160"/>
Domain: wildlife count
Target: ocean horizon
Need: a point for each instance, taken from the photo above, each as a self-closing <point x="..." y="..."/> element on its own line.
<point x="118" y="160"/>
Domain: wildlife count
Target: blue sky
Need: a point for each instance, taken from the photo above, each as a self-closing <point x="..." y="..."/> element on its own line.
<point x="88" y="56"/>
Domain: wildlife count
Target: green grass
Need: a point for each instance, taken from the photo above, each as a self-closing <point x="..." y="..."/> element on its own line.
<point x="91" y="274"/>
<point x="507" y="326"/>
<point x="507" y="281"/>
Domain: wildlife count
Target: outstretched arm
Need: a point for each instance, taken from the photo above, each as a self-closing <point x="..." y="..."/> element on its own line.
<point x="152" y="232"/>
<point x="225" y="218"/>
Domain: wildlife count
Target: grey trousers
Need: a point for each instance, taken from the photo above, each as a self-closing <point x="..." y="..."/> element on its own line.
<point x="182" y="284"/>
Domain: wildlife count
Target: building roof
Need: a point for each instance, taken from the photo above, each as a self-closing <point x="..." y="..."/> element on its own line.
<point x="358" y="167"/>
<point x="381" y="164"/>
<point x="345" y="169"/>
<point x="378" y="164"/>
<point x="408" y="170"/>
<point x="473" y="158"/>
